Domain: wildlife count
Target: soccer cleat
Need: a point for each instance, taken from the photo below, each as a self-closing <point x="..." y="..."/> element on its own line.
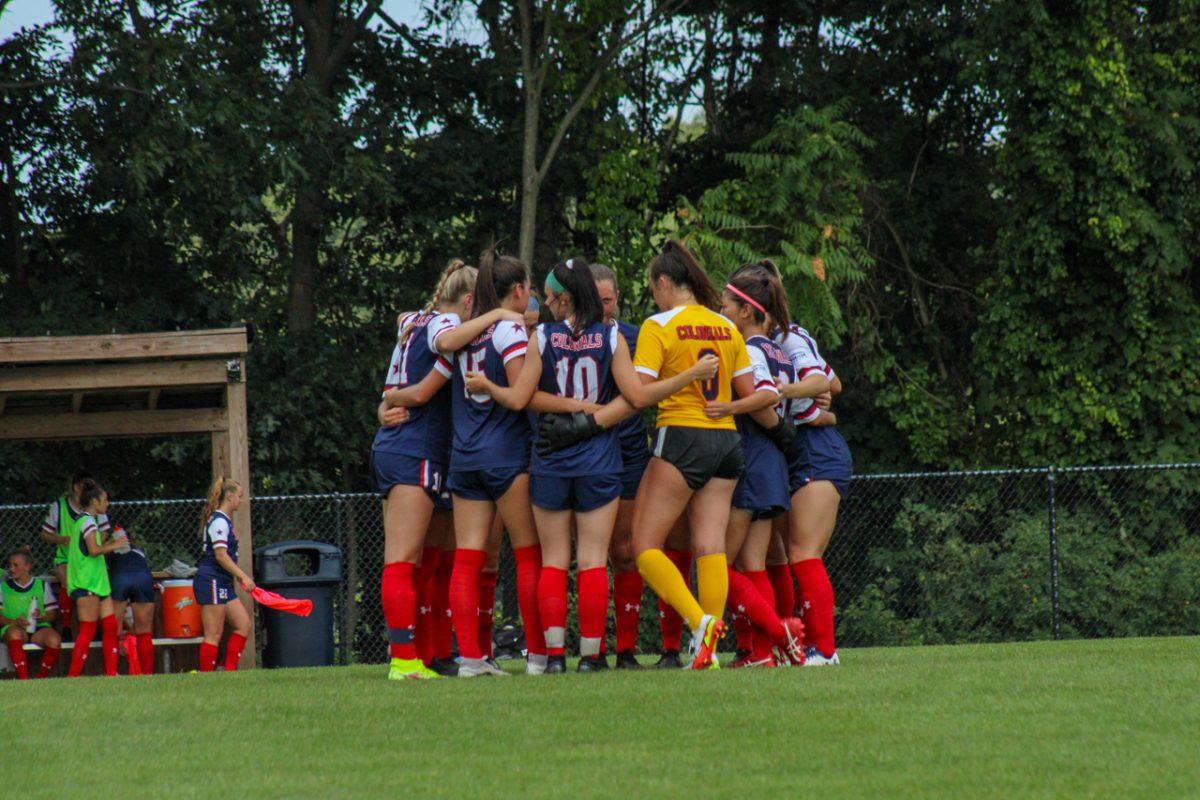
<point x="742" y="660"/>
<point x="592" y="664"/>
<point x="478" y="668"/>
<point x="814" y="658"/>
<point x="769" y="661"/>
<point x="535" y="664"/>
<point x="410" y="669"/>
<point x="627" y="660"/>
<point x="446" y="667"/>
<point x="556" y="665"/>
<point x="791" y="646"/>
<point x="669" y="660"/>
<point x="704" y="643"/>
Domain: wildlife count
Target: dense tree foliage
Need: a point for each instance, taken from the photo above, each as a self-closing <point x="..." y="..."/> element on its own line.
<point x="986" y="211"/>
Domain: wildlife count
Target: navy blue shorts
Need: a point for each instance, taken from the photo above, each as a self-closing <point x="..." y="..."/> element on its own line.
<point x="585" y="493"/>
<point x="635" y="460"/>
<point x="483" y="484"/>
<point x="829" y="457"/>
<point x="763" y="488"/>
<point x="132" y="587"/>
<point x="396" y="469"/>
<point x="212" y="591"/>
<point x="442" y="501"/>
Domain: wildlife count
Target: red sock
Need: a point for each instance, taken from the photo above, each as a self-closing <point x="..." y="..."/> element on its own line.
<point x="423" y="584"/>
<point x="762" y="641"/>
<point x="400" y="608"/>
<point x="529" y="570"/>
<point x="233" y="651"/>
<point x="16" y="651"/>
<point x="784" y="588"/>
<point x="108" y="642"/>
<point x="744" y="595"/>
<point x="464" y="599"/>
<point x="816" y="595"/>
<point x="443" y="628"/>
<point x="146" y="652"/>
<point x="49" y="659"/>
<point x="134" y="662"/>
<point x="83" y="643"/>
<point x="593" y="608"/>
<point x="552" y="608"/>
<point x="742" y="629"/>
<point x="668" y="618"/>
<point x="208" y="657"/>
<point x="65" y="606"/>
<point x="627" y="605"/>
<point x="487" y="615"/>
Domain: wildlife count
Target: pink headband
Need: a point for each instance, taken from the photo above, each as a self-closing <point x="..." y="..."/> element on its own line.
<point x="731" y="288"/>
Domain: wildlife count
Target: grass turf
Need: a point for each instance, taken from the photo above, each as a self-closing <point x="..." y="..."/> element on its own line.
<point x="1067" y="719"/>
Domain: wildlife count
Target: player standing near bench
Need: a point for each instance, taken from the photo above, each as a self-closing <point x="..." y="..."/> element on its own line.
<point x="51" y="532"/>
<point x="132" y="583"/>
<point x="213" y="582"/>
<point x="87" y="577"/>
<point x="27" y="609"/>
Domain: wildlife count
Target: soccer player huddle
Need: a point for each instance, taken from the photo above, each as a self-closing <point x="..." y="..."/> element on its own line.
<point x="492" y="423"/>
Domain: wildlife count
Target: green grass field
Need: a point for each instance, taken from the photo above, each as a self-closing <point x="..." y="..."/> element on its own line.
<point x="1074" y="719"/>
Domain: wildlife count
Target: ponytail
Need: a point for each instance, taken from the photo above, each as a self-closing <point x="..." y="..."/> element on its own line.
<point x="77" y="477"/>
<point x="682" y="269"/>
<point x="497" y="275"/>
<point x="457" y="279"/>
<point x="573" y="277"/>
<point x="760" y="281"/>
<point x="89" y="492"/>
<point x="217" y="492"/>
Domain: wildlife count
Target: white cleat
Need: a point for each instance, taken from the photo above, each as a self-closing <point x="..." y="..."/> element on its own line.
<point x="535" y="665"/>
<point x="478" y="668"/>
<point x="813" y="658"/>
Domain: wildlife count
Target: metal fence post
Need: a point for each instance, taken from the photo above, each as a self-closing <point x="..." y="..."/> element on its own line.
<point x="1054" y="622"/>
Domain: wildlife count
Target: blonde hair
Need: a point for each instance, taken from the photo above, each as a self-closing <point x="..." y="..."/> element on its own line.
<point x="457" y="279"/>
<point x="220" y="489"/>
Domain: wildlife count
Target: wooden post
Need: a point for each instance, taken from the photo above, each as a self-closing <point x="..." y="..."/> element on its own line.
<point x="236" y="453"/>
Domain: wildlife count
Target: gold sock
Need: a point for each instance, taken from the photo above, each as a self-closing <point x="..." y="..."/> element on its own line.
<point x="712" y="580"/>
<point x="658" y="571"/>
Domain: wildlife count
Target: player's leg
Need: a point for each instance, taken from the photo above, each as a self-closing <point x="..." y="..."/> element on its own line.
<point x="66" y="607"/>
<point x="119" y="612"/>
<point x="735" y="535"/>
<point x="772" y="629"/>
<point x="708" y="517"/>
<point x="472" y="524"/>
<point x="143" y="629"/>
<point x="662" y="497"/>
<point x="425" y="583"/>
<point x="554" y="530"/>
<point x="678" y="548"/>
<point x="443" y="627"/>
<point x="15" y="638"/>
<point x="517" y="512"/>
<point x="87" y="611"/>
<point x="595" y="525"/>
<point x="487" y="590"/>
<point x="627" y="586"/>
<point x="811" y="525"/>
<point x="239" y="620"/>
<point x="212" y="620"/>
<point x="778" y="570"/>
<point x="51" y="644"/>
<point x="406" y="515"/>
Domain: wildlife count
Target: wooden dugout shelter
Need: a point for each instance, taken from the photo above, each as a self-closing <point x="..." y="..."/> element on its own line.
<point x="134" y="385"/>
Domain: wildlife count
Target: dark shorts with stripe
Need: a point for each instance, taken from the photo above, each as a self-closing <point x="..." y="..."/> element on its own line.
<point x="396" y="469"/>
<point x="701" y="454"/>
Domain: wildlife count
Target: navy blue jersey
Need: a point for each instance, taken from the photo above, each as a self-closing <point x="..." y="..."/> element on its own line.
<point x="486" y="434"/>
<point x="579" y="366"/>
<point x="632" y="432"/>
<point x="132" y="561"/>
<point x="771" y="366"/>
<point x="426" y="434"/>
<point x="218" y="531"/>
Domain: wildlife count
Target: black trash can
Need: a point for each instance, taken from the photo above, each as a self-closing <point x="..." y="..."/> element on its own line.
<point x="303" y="571"/>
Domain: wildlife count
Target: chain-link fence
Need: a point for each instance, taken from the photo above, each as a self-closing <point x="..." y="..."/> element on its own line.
<point x="918" y="558"/>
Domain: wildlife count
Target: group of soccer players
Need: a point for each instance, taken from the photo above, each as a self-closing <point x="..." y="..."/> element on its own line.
<point x="482" y="433"/>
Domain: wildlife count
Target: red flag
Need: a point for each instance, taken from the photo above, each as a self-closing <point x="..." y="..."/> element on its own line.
<point x="301" y="608"/>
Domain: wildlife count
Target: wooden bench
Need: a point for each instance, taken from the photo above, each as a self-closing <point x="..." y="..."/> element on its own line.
<point x="163" y="646"/>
